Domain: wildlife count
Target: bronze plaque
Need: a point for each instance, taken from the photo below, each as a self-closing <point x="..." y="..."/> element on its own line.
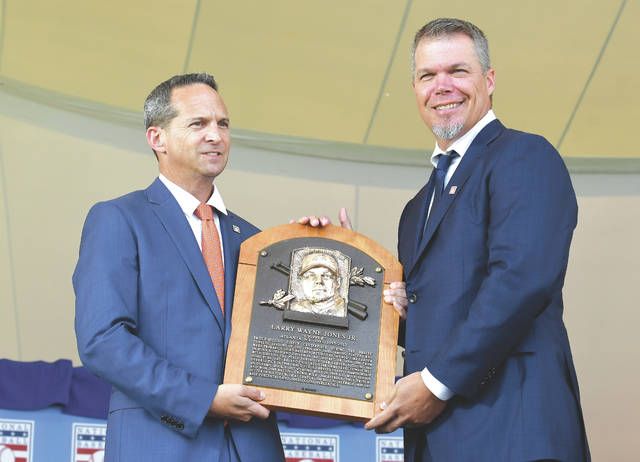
<point x="310" y="326"/>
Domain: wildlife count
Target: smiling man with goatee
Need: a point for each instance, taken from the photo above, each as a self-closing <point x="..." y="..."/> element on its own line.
<point x="484" y="245"/>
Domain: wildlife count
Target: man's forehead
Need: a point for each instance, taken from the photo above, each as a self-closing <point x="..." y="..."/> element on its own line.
<point x="447" y="50"/>
<point x="198" y="95"/>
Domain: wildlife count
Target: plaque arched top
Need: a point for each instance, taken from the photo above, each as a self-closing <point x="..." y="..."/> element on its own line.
<point x="251" y="248"/>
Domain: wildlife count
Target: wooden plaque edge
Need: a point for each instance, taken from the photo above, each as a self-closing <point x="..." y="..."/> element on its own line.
<point x="295" y="401"/>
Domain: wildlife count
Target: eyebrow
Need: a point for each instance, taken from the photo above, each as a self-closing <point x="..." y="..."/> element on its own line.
<point x="197" y="118"/>
<point x="461" y="64"/>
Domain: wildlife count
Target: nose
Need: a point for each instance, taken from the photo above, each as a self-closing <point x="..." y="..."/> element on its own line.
<point x="443" y="82"/>
<point x="213" y="134"/>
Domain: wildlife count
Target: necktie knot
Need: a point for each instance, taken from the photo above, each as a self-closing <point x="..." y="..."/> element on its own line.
<point x="444" y="160"/>
<point x="204" y="212"/>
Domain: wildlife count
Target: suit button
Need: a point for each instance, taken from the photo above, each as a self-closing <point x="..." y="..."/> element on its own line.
<point x="403" y="353"/>
<point x="413" y="297"/>
<point x="180" y="426"/>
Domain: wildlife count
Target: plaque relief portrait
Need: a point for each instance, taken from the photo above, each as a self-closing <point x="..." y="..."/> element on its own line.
<point x="319" y="284"/>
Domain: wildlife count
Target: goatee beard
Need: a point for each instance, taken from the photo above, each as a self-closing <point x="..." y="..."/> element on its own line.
<point x="447" y="132"/>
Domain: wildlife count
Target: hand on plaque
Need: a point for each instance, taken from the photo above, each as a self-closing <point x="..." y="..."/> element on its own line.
<point x="238" y="402"/>
<point x="323" y="220"/>
<point x="412" y="404"/>
<point x="396" y="294"/>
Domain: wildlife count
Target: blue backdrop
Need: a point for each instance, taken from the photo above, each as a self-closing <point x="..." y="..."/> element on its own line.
<point x="52" y="412"/>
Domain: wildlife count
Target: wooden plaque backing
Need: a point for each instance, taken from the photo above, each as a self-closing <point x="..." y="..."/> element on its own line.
<point x="313" y="403"/>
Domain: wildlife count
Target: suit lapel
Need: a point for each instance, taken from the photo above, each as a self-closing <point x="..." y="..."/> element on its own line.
<point x="467" y="165"/>
<point x="172" y="218"/>
<point x="232" y="237"/>
<point x="415" y="219"/>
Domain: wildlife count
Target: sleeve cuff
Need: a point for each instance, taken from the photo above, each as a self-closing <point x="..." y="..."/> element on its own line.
<point x="435" y="386"/>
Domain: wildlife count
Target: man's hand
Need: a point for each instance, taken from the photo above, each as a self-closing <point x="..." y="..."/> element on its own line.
<point x="397" y="294"/>
<point x="412" y="404"/>
<point x="238" y="402"/>
<point x="315" y="221"/>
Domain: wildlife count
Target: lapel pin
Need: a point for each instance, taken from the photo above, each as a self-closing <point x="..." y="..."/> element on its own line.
<point x="236" y="228"/>
<point x="453" y="189"/>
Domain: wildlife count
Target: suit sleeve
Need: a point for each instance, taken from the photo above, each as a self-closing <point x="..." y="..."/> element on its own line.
<point x="106" y="282"/>
<point x="531" y="215"/>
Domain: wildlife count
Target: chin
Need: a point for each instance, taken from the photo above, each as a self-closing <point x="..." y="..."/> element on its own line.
<point x="447" y="131"/>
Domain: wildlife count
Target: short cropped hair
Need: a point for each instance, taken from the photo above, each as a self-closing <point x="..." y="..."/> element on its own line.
<point x="443" y="27"/>
<point x="158" y="110"/>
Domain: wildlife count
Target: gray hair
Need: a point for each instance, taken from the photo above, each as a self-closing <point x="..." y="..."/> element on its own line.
<point x="158" y="110"/>
<point x="445" y="27"/>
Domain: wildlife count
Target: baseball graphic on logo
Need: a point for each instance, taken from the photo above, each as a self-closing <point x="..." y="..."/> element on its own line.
<point x="6" y="454"/>
<point x="97" y="456"/>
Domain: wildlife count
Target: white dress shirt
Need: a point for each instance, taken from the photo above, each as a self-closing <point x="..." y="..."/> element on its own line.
<point x="188" y="203"/>
<point x="461" y="145"/>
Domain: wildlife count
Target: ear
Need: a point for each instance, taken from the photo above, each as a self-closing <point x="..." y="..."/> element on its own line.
<point x="156" y="139"/>
<point x="491" y="80"/>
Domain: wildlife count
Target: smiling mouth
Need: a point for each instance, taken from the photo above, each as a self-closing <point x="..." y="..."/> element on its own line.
<point x="212" y="153"/>
<point x="444" y="107"/>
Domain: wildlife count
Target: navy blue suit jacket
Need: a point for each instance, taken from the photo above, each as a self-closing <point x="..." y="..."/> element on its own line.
<point x="486" y="280"/>
<point x="149" y="322"/>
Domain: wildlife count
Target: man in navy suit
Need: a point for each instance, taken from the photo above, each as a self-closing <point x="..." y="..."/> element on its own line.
<point x="148" y="318"/>
<point x="484" y="246"/>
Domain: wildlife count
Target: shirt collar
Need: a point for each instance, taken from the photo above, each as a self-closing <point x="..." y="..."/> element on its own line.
<point x="461" y="145"/>
<point x="187" y="202"/>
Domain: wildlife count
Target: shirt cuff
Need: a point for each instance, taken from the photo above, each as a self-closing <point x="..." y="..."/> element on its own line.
<point x="435" y="386"/>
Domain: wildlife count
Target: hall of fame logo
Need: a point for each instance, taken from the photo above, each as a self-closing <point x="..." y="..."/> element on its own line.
<point x="16" y="440"/>
<point x="309" y="447"/>
<point x="88" y="442"/>
<point x="389" y="449"/>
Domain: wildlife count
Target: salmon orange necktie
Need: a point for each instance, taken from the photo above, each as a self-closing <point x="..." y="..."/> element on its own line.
<point x="211" y="250"/>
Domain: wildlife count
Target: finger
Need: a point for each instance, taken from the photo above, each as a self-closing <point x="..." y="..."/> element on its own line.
<point x="259" y="411"/>
<point x="313" y="221"/>
<point x="391" y="426"/>
<point x="389" y="299"/>
<point x="399" y="303"/>
<point x="324" y="221"/>
<point x="380" y="420"/>
<point x="345" y="222"/>
<point x="303" y="220"/>
<point x="254" y="394"/>
<point x="396" y="295"/>
<point x="402" y="311"/>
